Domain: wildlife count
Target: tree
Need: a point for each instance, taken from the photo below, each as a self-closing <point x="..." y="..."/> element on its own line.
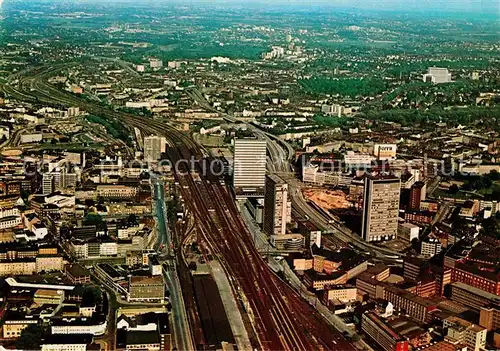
<point x="30" y="338"/>
<point x="93" y="219"/>
<point x="494" y="175"/>
<point x="454" y="189"/>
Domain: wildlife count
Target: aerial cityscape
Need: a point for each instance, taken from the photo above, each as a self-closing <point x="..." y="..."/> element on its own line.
<point x="249" y="175"/>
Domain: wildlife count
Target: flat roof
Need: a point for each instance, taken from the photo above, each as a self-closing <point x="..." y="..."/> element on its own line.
<point x="146" y="280"/>
<point x="77" y="270"/>
<point x="391" y="332"/>
<point x="476" y="291"/>
<point x="409" y="296"/>
<point x="142" y="337"/>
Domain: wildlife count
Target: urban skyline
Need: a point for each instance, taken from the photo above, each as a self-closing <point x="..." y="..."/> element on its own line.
<point x="229" y="175"/>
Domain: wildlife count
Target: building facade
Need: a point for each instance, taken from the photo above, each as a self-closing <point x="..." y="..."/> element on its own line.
<point x="277" y="208"/>
<point x="386" y="337"/>
<point x="249" y="175"/>
<point x="380" y="208"/>
<point x="154" y="146"/>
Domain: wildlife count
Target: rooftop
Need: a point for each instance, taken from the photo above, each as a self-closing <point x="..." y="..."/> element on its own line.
<point x="142" y="337"/>
<point x="145" y="280"/>
<point x="492" y="297"/>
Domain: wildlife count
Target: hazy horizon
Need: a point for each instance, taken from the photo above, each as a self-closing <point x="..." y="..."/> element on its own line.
<point x="491" y="7"/>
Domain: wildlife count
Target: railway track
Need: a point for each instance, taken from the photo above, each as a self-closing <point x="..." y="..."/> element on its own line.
<point x="282" y="320"/>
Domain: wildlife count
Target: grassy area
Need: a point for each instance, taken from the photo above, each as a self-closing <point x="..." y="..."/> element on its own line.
<point x="114" y="128"/>
<point x="458" y="196"/>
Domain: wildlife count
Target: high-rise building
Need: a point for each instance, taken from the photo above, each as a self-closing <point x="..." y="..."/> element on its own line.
<point x="277" y="208"/>
<point x="249" y="167"/>
<point x="417" y="195"/>
<point x="437" y="75"/>
<point x="47" y="183"/>
<point x="380" y="208"/>
<point x="154" y="146"/>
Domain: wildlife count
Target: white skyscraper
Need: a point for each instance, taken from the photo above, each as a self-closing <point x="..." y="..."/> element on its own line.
<point x="47" y="183"/>
<point x="277" y="208"/>
<point x="154" y="146"/>
<point x="249" y="167"/>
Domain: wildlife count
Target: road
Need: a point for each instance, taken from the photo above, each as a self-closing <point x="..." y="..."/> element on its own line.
<point x="180" y="325"/>
<point x="282" y="320"/>
<point x="280" y="163"/>
<point x="260" y="239"/>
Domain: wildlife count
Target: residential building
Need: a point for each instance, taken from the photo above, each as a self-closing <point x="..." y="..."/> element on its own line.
<point x="419" y="217"/>
<point x="319" y="281"/>
<point x="143" y="340"/>
<point x="249" y="177"/>
<point x="462" y="331"/>
<point x="444" y="346"/>
<point x="277" y="207"/>
<point x="10" y="222"/>
<point x="380" y="208"/>
<point x="18" y="267"/>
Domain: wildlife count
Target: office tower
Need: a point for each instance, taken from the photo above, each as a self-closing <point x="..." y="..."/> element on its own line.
<point x="47" y="183"/>
<point x="277" y="208"/>
<point x="380" y="208"/>
<point x="154" y="146"/>
<point x="437" y="75"/>
<point x="249" y="167"/>
<point x="417" y="195"/>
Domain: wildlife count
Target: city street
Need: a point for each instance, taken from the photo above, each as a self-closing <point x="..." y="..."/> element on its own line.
<point x="181" y="330"/>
